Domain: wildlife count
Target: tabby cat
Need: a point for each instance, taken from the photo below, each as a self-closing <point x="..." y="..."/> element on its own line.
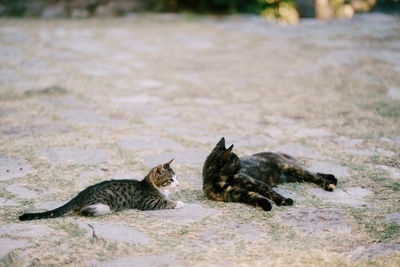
<point x="115" y="195"/>
<point x="249" y="179"/>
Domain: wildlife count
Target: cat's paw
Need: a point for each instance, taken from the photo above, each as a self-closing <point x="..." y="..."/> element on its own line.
<point x="287" y="202"/>
<point x="328" y="186"/>
<point x="265" y="205"/>
<point x="179" y="205"/>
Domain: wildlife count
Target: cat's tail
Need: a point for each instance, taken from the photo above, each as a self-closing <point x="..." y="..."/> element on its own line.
<point x="50" y="213"/>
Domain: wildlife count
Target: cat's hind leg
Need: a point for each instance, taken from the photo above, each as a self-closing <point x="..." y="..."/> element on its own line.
<point x="97" y="209"/>
<point x="297" y="174"/>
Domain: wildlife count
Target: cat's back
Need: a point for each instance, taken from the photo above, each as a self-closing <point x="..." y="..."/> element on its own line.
<point x="265" y="166"/>
<point x="114" y="186"/>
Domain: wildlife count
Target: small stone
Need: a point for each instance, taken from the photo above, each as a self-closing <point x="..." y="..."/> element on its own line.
<point x="298" y="150"/>
<point x="316" y="221"/>
<point x="25" y="230"/>
<point x="394" y="92"/>
<point x="328" y="168"/>
<point x="148" y="84"/>
<point x="49" y="205"/>
<point x="361" y="253"/>
<point x="185" y="157"/>
<point x="142" y="261"/>
<point x="287" y="193"/>
<point x="189" y="213"/>
<point x="393" y="218"/>
<point x="149" y="142"/>
<point x="395" y="172"/>
<point x="85" y="116"/>
<point x="158" y="120"/>
<point x="75" y="155"/>
<point x="135" y="99"/>
<point x="114" y="232"/>
<point x="4" y="202"/>
<point x="360" y="152"/>
<point x="311" y="132"/>
<point x="347" y="142"/>
<point x="11" y="168"/>
<point x="7" y="245"/>
<point x="248" y="232"/>
<point x="350" y="196"/>
<point x="133" y="176"/>
<point x="243" y="141"/>
<point x="21" y="192"/>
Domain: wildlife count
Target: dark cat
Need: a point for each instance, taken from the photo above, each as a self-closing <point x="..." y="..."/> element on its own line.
<point x="115" y="195"/>
<point x="249" y="179"/>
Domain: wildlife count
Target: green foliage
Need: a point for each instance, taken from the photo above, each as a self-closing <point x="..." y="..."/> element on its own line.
<point x="281" y="10"/>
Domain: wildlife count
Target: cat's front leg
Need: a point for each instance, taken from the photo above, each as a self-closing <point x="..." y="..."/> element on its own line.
<point x="160" y="204"/>
<point x="179" y="204"/>
<point x="262" y="188"/>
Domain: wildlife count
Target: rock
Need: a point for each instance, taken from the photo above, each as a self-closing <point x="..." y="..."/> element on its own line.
<point x="21" y="192"/>
<point x="347" y="142"/>
<point x="298" y="150"/>
<point x="49" y="205"/>
<point x="135" y="99"/>
<point x="75" y="155"/>
<point x="133" y="176"/>
<point x="184" y="157"/>
<point x="4" y="202"/>
<point x="189" y="213"/>
<point x="142" y="261"/>
<point x="328" y="168"/>
<point x="149" y="142"/>
<point x="392" y="139"/>
<point x="316" y="221"/>
<point x="248" y="232"/>
<point x="25" y="230"/>
<point x="85" y="116"/>
<point x="12" y="168"/>
<point x="7" y="245"/>
<point x="33" y="129"/>
<point x="393" y="218"/>
<point x="395" y="172"/>
<point x="350" y="196"/>
<point x="394" y="92"/>
<point x="92" y="173"/>
<point x="181" y="131"/>
<point x="287" y="193"/>
<point x="368" y="152"/>
<point x="361" y="253"/>
<point x="311" y="132"/>
<point x="160" y="120"/>
<point x="243" y="141"/>
<point x="114" y="232"/>
<point x="149" y="84"/>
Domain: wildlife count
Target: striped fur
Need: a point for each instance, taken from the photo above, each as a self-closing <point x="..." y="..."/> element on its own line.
<point x="115" y="195"/>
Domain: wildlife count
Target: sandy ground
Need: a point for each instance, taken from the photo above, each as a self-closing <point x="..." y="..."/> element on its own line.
<point x="83" y="101"/>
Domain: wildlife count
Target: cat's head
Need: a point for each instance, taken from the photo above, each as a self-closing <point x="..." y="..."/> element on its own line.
<point x="223" y="160"/>
<point x="163" y="177"/>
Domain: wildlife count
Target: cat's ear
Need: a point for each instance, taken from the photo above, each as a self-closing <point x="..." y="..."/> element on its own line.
<point x="169" y="162"/>
<point x="221" y="143"/>
<point x="157" y="170"/>
<point x="226" y="154"/>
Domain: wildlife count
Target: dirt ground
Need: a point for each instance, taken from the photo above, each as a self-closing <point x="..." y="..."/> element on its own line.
<point x="82" y="101"/>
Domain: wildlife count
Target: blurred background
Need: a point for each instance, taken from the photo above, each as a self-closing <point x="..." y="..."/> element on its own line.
<point x="284" y="11"/>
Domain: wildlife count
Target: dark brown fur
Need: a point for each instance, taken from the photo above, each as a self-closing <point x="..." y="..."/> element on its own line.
<point x="249" y="179"/>
<point x="118" y="195"/>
